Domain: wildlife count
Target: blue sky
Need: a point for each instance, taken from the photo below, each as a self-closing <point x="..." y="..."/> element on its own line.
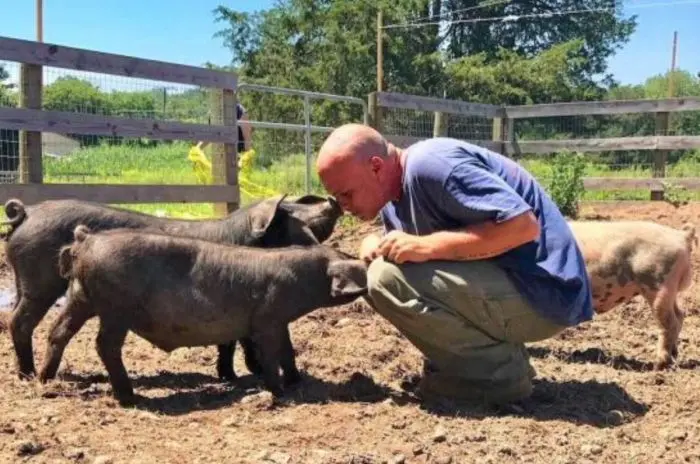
<point x="182" y="30"/>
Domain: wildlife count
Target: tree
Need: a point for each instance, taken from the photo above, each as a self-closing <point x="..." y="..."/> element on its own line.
<point x="7" y="96"/>
<point x="527" y="29"/>
<point x="329" y="46"/>
<point x="68" y="93"/>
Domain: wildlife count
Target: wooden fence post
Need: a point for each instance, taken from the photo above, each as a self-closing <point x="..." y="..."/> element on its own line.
<point x="375" y="112"/>
<point x="660" y="156"/>
<point x="30" y="149"/>
<point x="502" y="133"/>
<point x="224" y="163"/>
<point x="440" y="125"/>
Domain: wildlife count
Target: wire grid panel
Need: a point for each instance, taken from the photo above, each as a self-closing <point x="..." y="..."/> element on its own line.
<point x="107" y="95"/>
<point x="412" y="123"/>
<point x="98" y="158"/>
<point x="9" y="139"/>
<point x="283" y="157"/>
<point x="278" y="165"/>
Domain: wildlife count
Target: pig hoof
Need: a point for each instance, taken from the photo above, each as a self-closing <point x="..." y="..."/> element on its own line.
<point x="228" y="377"/>
<point x="674" y="352"/>
<point x="292" y="379"/>
<point x="126" y="401"/>
<point x="663" y="363"/>
<point x="26" y="375"/>
<point x="253" y="366"/>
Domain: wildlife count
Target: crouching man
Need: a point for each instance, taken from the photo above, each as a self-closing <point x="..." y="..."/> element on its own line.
<point x="475" y="259"/>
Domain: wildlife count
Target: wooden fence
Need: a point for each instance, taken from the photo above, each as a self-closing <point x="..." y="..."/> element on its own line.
<point x="504" y="141"/>
<point x="31" y="120"/>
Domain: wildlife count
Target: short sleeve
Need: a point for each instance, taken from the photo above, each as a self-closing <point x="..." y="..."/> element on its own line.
<point x="474" y="194"/>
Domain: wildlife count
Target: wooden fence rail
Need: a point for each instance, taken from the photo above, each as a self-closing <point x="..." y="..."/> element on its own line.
<point x="31" y="120"/>
<point x="504" y="140"/>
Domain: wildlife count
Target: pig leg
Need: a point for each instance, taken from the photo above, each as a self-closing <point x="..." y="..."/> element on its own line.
<point x="680" y="317"/>
<point x="268" y="344"/>
<point x="663" y="303"/>
<point x="288" y="361"/>
<point x="224" y="363"/>
<point x="64" y="328"/>
<point x="29" y="311"/>
<point x="251" y="360"/>
<point x="110" y="340"/>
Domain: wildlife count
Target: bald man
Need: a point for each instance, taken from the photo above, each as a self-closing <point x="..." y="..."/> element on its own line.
<point x="475" y="260"/>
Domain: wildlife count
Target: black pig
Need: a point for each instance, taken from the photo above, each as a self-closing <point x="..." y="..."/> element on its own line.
<point x="37" y="233"/>
<point x="182" y="292"/>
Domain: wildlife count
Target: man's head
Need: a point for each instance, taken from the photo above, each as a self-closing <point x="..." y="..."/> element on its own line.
<point x="360" y="169"/>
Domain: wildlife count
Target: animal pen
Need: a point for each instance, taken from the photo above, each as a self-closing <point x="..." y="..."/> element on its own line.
<point x="34" y="135"/>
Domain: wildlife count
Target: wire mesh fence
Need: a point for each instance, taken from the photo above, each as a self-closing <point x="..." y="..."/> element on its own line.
<point x="288" y="128"/>
<point x="622" y="164"/>
<point x="413" y="123"/>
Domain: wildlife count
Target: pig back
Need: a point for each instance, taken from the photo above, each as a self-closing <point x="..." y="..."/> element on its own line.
<point x="161" y="288"/>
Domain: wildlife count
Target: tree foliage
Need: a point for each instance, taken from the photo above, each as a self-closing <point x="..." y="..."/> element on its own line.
<point x="330" y="46"/>
<point x="7" y="97"/>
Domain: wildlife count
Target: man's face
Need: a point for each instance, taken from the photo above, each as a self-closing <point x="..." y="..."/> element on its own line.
<point x="357" y="186"/>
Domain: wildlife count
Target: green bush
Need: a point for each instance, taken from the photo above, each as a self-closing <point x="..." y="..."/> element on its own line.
<point x="566" y="182"/>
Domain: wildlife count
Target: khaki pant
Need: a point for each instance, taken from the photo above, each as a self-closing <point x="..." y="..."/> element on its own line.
<point x="468" y="320"/>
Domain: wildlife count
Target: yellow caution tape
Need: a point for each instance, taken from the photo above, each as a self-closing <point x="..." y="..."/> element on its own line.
<point x="202" y="169"/>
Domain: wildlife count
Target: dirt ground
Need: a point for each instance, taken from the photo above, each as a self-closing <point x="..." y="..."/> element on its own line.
<point x="596" y="398"/>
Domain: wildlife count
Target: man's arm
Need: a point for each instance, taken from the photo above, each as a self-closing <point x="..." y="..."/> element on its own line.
<point x="494" y="218"/>
<point x="484" y="240"/>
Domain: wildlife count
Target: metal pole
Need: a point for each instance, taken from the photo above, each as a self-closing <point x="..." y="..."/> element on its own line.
<point x="307" y="142"/>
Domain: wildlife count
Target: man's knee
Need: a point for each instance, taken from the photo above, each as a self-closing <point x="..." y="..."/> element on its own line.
<point x="382" y="276"/>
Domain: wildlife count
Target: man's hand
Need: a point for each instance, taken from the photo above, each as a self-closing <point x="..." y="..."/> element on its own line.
<point x="368" y="247"/>
<point x="400" y="247"/>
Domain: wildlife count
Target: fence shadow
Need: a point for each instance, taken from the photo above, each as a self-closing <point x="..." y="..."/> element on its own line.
<point x="598" y="356"/>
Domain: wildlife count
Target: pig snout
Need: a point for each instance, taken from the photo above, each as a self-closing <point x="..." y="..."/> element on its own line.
<point x="348" y="279"/>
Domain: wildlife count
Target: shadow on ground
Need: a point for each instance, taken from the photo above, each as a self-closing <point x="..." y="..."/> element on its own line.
<point x="582" y="403"/>
<point x="591" y="402"/>
<point x="598" y="356"/>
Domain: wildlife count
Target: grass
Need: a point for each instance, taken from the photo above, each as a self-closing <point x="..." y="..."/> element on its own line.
<point x="168" y="164"/>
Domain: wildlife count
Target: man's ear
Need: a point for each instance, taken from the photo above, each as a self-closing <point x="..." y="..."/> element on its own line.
<point x="376" y="163"/>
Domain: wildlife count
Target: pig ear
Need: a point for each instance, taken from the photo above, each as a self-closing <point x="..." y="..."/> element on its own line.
<point x="65" y="262"/>
<point x="264" y="214"/>
<point x="309" y="234"/>
<point x="309" y="199"/>
<point x="348" y="278"/>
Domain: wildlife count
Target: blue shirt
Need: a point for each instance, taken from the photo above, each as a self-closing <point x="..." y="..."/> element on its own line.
<point x="450" y="184"/>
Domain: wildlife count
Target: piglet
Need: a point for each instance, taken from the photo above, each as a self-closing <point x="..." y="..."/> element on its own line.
<point x="184" y="292"/>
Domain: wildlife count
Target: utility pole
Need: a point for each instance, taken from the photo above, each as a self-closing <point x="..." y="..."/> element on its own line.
<point x="39" y="20"/>
<point x="672" y="75"/>
<point x="380" y="52"/>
